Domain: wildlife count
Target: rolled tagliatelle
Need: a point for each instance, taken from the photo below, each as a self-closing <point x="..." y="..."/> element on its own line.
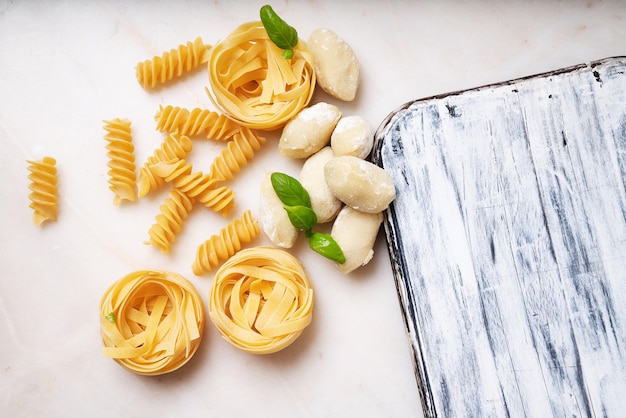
<point x="253" y="84"/>
<point x="151" y="322"/>
<point x="261" y="300"/>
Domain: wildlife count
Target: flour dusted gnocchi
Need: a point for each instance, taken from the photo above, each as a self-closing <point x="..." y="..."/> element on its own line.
<point x="274" y="219"/>
<point x="359" y="183"/>
<point x="309" y="131"/>
<point x="323" y="201"/>
<point x="354" y="136"/>
<point x="356" y="232"/>
<point x="336" y="66"/>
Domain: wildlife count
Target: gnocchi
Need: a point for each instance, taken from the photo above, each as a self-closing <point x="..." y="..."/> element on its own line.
<point x="354" y="136"/>
<point x="323" y="201"/>
<point x="274" y="219"/>
<point x="356" y="232"/>
<point x="309" y="131"/>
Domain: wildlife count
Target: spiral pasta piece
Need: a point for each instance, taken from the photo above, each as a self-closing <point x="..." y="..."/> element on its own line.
<point x="43" y="187"/>
<point x="230" y="239"/>
<point x="122" y="177"/>
<point x="151" y="322"/>
<point x="261" y="300"/>
<point x="253" y="84"/>
<point x="237" y="154"/>
<point x="196" y="122"/>
<point x="174" y="147"/>
<point x="196" y="185"/>
<point x="168" y="223"/>
<point x="172" y="63"/>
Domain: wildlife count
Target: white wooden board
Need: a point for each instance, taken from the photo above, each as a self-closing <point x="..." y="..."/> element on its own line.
<point x="508" y="241"/>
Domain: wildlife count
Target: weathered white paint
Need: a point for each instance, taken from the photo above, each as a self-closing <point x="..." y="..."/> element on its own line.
<point x="508" y="240"/>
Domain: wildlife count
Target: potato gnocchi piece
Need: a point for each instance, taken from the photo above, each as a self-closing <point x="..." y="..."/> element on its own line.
<point x="356" y="232"/>
<point x="354" y="136"/>
<point x="274" y="219"/>
<point x="359" y="183"/>
<point x="336" y="66"/>
<point x="309" y="131"/>
<point x="323" y="202"/>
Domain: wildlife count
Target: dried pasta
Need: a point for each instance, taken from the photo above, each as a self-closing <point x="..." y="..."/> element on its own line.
<point x="230" y="239"/>
<point x="196" y="185"/>
<point x="43" y="187"/>
<point x="151" y="322"/>
<point x="253" y="84"/>
<point x="174" y="146"/>
<point x="169" y="221"/>
<point x="261" y="300"/>
<point x="173" y="63"/>
<point x="122" y="177"/>
<point x="237" y="153"/>
<point x="196" y="122"/>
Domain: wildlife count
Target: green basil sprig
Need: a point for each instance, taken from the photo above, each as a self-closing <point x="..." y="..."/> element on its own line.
<point x="297" y="203"/>
<point x="110" y="317"/>
<point x="283" y="35"/>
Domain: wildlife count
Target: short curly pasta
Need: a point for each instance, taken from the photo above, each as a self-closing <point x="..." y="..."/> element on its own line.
<point x="237" y="154"/>
<point x="196" y="185"/>
<point x="230" y="239"/>
<point x="261" y="300"/>
<point x="173" y="63"/>
<point x="122" y="177"/>
<point x="43" y="187"/>
<point x="169" y="221"/>
<point x="196" y="122"/>
<point x="151" y="322"/>
<point x="174" y="147"/>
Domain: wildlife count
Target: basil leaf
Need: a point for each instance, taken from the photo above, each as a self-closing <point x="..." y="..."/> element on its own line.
<point x="289" y="190"/>
<point x="325" y="245"/>
<point x="302" y="217"/>
<point x="283" y="35"/>
<point x="110" y="317"/>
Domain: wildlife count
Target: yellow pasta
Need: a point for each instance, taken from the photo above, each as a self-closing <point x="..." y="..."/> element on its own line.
<point x="151" y="322"/>
<point x="122" y="177"/>
<point x="173" y="63"/>
<point x="253" y="84"/>
<point x="196" y="122"/>
<point x="261" y="300"/>
<point x="169" y="221"/>
<point x="43" y="187"/>
<point x="230" y="239"/>
<point x="174" y="146"/>
<point x="196" y="185"/>
<point x="237" y="153"/>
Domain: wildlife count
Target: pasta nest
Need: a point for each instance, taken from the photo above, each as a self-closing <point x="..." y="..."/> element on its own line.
<point x="151" y="322"/>
<point x="253" y="84"/>
<point x="261" y="300"/>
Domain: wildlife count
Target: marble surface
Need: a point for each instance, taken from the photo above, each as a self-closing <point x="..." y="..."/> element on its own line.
<point x="67" y="65"/>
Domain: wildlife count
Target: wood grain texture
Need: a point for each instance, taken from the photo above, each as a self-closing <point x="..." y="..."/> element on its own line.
<point x="508" y="242"/>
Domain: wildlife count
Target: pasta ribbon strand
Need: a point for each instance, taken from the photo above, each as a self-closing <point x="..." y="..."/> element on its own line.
<point x="43" y="187"/>
<point x="261" y="300"/>
<point x="151" y="322"/>
<point x="230" y="239"/>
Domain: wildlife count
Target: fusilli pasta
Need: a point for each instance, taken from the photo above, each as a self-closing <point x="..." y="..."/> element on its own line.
<point x="174" y="147"/>
<point x="122" y="177"/>
<point x="151" y="322"/>
<point x="43" y="187"/>
<point x="169" y="221"/>
<point x="237" y="154"/>
<point x="230" y="239"/>
<point x="261" y="300"/>
<point x="173" y="63"/>
<point x="196" y="122"/>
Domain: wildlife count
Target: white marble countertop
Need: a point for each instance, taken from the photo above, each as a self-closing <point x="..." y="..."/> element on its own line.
<point x="66" y="66"/>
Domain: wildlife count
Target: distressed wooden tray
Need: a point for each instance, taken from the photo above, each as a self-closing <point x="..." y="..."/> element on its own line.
<point x="508" y="243"/>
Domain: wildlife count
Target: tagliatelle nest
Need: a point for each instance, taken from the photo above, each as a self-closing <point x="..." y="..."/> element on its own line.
<point x="151" y="322"/>
<point x="261" y="300"/>
<point x="253" y="84"/>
